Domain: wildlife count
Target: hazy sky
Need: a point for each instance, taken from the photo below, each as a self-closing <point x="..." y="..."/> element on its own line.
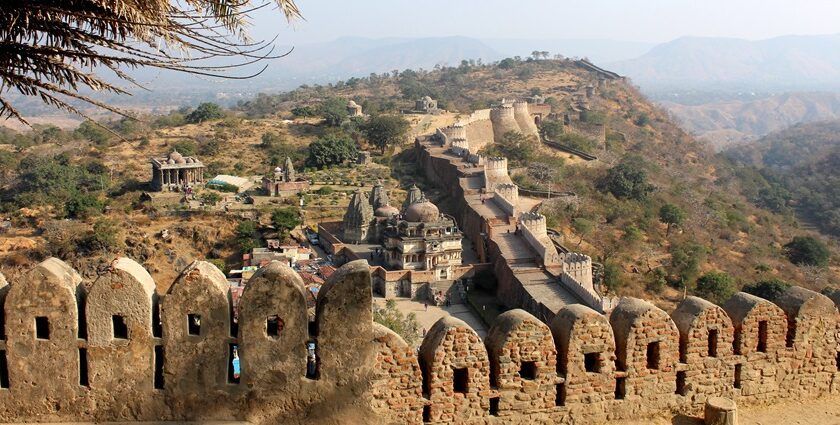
<point x="632" y="20"/>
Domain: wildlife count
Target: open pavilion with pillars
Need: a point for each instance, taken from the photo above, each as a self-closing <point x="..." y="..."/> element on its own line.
<point x="176" y="170"/>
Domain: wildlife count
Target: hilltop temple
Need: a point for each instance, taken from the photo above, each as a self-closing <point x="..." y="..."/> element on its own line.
<point x="284" y="180"/>
<point x="176" y="170"/>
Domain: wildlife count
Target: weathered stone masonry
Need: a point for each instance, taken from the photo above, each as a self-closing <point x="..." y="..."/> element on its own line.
<point x="121" y="352"/>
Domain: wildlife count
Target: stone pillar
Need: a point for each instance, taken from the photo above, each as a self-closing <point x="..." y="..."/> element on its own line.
<point x="720" y="411"/>
<point x="164" y="177"/>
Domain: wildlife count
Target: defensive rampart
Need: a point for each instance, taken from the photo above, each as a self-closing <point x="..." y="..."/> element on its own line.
<point x="115" y="350"/>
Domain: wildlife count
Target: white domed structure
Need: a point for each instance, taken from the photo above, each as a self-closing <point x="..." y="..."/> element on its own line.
<point x="422" y="211"/>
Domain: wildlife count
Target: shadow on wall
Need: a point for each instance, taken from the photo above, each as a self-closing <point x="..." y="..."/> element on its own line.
<point x="121" y="352"/>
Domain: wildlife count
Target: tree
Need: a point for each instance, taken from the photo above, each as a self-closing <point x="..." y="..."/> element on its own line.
<point x="89" y="130"/>
<point x="392" y="318"/>
<point x="552" y="129"/>
<point x="206" y="111"/>
<point x="83" y="205"/>
<point x="627" y="180"/>
<point x="210" y="198"/>
<point x="285" y="219"/>
<point x="334" y="148"/>
<point x="671" y="215"/>
<point x="612" y="276"/>
<point x="507" y="63"/>
<point x="583" y="227"/>
<point x="715" y="286"/>
<point x="515" y="146"/>
<point x="244" y="235"/>
<point x="333" y="110"/>
<point x="51" y="48"/>
<point x="384" y="130"/>
<point x="103" y="237"/>
<point x="685" y="262"/>
<point x="807" y="251"/>
<point x="769" y="289"/>
<point x="303" y="111"/>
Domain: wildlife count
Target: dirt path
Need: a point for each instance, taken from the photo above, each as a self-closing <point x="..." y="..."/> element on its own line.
<point x="824" y="411"/>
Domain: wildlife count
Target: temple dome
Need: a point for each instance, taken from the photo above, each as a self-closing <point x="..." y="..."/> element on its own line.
<point x="176" y="158"/>
<point x="386" y="211"/>
<point x="422" y="211"/>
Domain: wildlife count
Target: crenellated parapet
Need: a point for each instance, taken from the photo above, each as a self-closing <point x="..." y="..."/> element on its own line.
<point x="507" y="198"/>
<point x="522" y="363"/>
<point x="579" y="268"/>
<point x="534" y="230"/>
<point x="459" y="146"/>
<point x="504" y="121"/>
<point x="495" y="172"/>
<point x="456" y="372"/>
<point x="119" y="351"/>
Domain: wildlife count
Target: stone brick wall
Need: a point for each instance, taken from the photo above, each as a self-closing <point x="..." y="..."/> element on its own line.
<point x="586" y="348"/>
<point x="507" y="198"/>
<point x="121" y="352"/>
<point x="522" y="115"/>
<point x="647" y="351"/>
<point x="706" y="341"/>
<point x="522" y="363"/>
<point x="456" y="372"/>
<point x="397" y="381"/>
<point x="760" y="329"/>
<point x="503" y="121"/>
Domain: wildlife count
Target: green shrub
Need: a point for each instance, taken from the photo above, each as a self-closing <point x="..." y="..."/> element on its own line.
<point x="769" y="289"/>
<point x="716" y="286"/>
<point x="807" y="251"/>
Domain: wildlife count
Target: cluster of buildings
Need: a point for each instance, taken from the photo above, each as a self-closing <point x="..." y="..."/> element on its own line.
<point x="178" y="173"/>
<point x="414" y="251"/>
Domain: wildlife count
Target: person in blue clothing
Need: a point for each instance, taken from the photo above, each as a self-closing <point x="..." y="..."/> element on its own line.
<point x="311" y="360"/>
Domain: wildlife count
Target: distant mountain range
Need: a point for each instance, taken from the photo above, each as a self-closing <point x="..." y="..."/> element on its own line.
<point x="731" y="122"/>
<point x="728" y="90"/>
<point x="789" y="63"/>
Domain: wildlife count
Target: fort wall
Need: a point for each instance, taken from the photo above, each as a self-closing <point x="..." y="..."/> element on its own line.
<point x="504" y="121"/>
<point x="495" y="172"/>
<point x="583" y="368"/>
<point x="533" y="228"/>
<point x="507" y="197"/>
<point x="522" y="115"/>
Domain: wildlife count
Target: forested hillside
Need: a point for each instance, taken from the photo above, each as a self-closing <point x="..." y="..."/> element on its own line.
<point x="800" y="172"/>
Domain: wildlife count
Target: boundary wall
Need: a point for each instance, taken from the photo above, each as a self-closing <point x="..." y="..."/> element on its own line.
<point x="115" y="350"/>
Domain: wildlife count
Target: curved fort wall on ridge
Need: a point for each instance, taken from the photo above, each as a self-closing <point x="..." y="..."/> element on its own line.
<point x="119" y="353"/>
<point x="522" y="115"/>
<point x="503" y="120"/>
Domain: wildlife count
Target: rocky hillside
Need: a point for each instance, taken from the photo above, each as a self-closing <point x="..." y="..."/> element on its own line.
<point x="657" y="208"/>
<point x="720" y="229"/>
<point x="731" y="122"/>
<point x="801" y="166"/>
